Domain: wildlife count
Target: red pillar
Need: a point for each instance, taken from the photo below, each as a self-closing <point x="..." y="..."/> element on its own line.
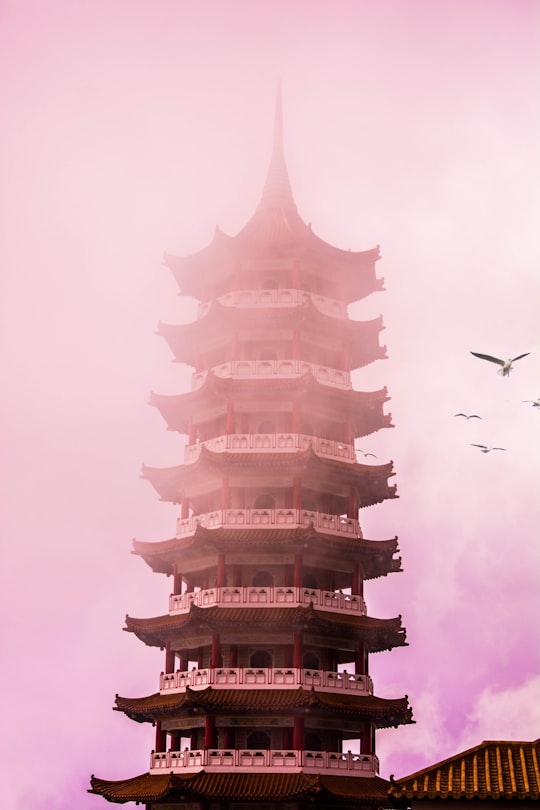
<point x="169" y="658"/>
<point x="366" y="740"/>
<point x="361" y="659"/>
<point x="161" y="738"/>
<point x="233" y="655"/>
<point x="216" y="651"/>
<point x="210" y="731"/>
<point x="298" y="733"/>
<point x="177" y="580"/>
<point x="357" y="581"/>
<point x="351" y="506"/>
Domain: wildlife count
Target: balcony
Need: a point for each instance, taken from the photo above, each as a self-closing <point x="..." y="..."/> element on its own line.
<point x="275" y="369"/>
<point x="269" y="518"/>
<point x="270" y="443"/>
<point x="266" y="596"/>
<point x="253" y="677"/>
<point x="277" y="298"/>
<point x="267" y="761"/>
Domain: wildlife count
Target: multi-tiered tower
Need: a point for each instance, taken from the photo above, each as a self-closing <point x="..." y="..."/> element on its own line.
<point x="266" y="700"/>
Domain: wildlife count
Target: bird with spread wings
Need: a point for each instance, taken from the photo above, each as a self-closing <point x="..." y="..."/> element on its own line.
<point x="506" y="365"/>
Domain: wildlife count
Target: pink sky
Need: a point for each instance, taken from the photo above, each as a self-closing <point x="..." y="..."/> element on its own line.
<point x="132" y="127"/>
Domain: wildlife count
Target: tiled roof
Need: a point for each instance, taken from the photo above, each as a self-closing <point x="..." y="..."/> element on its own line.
<point x="237" y="786"/>
<point x="384" y="712"/>
<point x="371" y="481"/>
<point x="491" y="770"/>
<point x="363" y="407"/>
<point x="381" y="634"/>
<point x="376" y="555"/>
<point x="361" y="336"/>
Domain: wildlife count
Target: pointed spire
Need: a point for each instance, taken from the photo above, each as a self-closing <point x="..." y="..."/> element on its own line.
<point x="277" y="191"/>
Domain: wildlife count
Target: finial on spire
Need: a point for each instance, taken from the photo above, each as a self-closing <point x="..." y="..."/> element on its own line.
<point x="277" y="191"/>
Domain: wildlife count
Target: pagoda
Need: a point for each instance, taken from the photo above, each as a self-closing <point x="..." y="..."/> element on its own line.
<point x="266" y="700"/>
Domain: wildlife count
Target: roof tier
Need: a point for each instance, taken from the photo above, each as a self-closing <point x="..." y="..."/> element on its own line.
<point x="383" y="712"/>
<point x="363" y="407"/>
<point x="376" y="556"/>
<point x="276" y="237"/>
<point x="370" y="481"/>
<point x="491" y="770"/>
<point x="361" y="337"/>
<point x="249" y="787"/>
<point x="380" y="634"/>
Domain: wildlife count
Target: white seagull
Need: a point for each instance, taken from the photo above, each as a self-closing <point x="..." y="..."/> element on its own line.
<point x="506" y="365"/>
<point x="484" y="449"/>
<point x="468" y="415"/>
<point x="534" y="402"/>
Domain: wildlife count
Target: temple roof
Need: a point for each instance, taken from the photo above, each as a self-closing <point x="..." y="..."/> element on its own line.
<point x="275" y="230"/>
<point x="370" y="480"/>
<point x="185" y="340"/>
<point x="251" y="787"/>
<point x="364" y="407"/>
<point x="380" y="634"/>
<point x="383" y="712"/>
<point x="491" y="770"/>
<point x="377" y="556"/>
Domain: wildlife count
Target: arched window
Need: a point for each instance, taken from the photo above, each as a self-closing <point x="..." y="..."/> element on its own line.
<point x="258" y="740"/>
<point x="265" y="502"/>
<point x="264" y="579"/>
<point x="261" y="659"/>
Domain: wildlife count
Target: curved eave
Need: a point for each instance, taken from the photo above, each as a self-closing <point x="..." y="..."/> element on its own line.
<point x="384" y="712"/>
<point x="250" y="787"/>
<point x="371" y="481"/>
<point x="505" y="770"/>
<point x="361" y="337"/>
<point x="376" y="556"/>
<point x="380" y="634"/>
<point x="365" y="407"/>
<point x="289" y="237"/>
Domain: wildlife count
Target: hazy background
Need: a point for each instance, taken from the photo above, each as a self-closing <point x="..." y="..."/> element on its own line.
<point x="131" y="128"/>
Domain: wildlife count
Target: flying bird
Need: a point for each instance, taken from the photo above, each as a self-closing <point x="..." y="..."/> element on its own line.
<point x="534" y="402"/>
<point x="468" y="415"/>
<point x="367" y="454"/>
<point x="506" y="365"/>
<point x="484" y="449"/>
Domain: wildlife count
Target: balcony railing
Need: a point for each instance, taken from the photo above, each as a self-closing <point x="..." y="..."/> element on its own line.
<point x="269" y="518"/>
<point x="335" y="602"/>
<point x="252" y="677"/>
<point x="275" y="369"/>
<point x="269" y="443"/>
<point x="228" y="760"/>
<point x="277" y="298"/>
